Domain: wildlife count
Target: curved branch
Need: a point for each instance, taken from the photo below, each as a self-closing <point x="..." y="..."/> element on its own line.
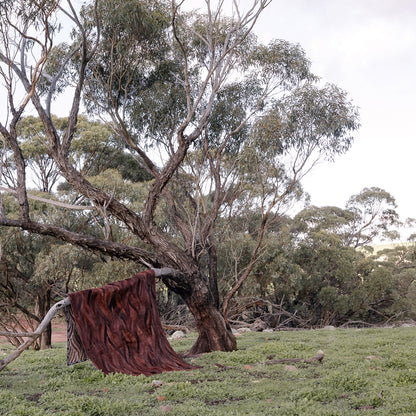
<point x="174" y="279"/>
<point x="88" y="242"/>
<point x="55" y="79"/>
<point x="35" y="335"/>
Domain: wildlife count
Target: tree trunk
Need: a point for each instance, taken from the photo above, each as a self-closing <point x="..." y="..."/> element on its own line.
<point x="214" y="331"/>
<point x="44" y="304"/>
<point x="46" y="338"/>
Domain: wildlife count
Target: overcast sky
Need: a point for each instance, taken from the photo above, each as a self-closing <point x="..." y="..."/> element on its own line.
<point x="368" y="48"/>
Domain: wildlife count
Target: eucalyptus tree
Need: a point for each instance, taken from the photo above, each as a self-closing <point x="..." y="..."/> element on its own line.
<point x="374" y="215"/>
<point x="367" y="216"/>
<point x="222" y="123"/>
<point x="400" y="261"/>
<point x="338" y="281"/>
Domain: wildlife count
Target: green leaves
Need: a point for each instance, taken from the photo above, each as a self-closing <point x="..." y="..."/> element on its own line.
<point x="375" y="214"/>
<point x="136" y="20"/>
<point x="132" y="47"/>
<point x="310" y="119"/>
<point x="283" y="61"/>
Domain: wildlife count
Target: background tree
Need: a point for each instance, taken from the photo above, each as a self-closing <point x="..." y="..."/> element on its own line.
<point x="399" y="262"/>
<point x="375" y="215"/>
<point x="314" y="272"/>
<point x="36" y="270"/>
<point x="221" y="123"/>
<point x="367" y="216"/>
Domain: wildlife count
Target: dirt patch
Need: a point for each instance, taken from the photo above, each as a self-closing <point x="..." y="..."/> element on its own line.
<point x="58" y="332"/>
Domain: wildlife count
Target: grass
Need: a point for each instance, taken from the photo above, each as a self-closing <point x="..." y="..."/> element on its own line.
<point x="364" y="372"/>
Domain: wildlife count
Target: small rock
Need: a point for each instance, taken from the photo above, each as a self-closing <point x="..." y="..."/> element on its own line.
<point x="177" y="335"/>
<point x="165" y="409"/>
<point x="157" y="383"/>
<point x="329" y="327"/>
<point x="243" y="330"/>
<point x="291" y="368"/>
<point x="268" y="330"/>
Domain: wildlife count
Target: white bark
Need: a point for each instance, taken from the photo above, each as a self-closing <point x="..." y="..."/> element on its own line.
<point x="49" y="201"/>
<point x="165" y="271"/>
<point x="35" y="335"/>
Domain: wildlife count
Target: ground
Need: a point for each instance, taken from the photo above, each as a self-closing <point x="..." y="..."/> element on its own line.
<point x="367" y="372"/>
<point x="58" y="332"/>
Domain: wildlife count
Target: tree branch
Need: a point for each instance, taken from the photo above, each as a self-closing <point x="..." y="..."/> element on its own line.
<point x="88" y="242"/>
<point x="35" y="335"/>
<point x="49" y="201"/>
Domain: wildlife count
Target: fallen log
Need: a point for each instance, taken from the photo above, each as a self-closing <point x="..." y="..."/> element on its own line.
<point x="33" y="336"/>
<point x="176" y="328"/>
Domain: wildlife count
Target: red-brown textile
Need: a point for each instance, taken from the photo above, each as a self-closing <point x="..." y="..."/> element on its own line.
<point x="120" y="328"/>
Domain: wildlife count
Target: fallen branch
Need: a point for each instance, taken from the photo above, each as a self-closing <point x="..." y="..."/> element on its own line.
<point x="318" y="357"/>
<point x="361" y="323"/>
<point x="17" y="334"/>
<point x="176" y="328"/>
<point x="37" y="333"/>
<point x="278" y="311"/>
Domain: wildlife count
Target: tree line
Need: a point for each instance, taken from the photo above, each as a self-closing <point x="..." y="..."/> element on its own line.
<point x="315" y="268"/>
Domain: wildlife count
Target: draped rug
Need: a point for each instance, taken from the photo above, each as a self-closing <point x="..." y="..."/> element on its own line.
<point x="118" y="328"/>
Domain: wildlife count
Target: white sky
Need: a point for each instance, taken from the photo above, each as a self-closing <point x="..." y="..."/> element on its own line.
<point x="368" y="48"/>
